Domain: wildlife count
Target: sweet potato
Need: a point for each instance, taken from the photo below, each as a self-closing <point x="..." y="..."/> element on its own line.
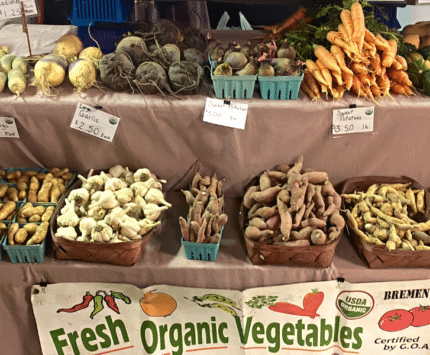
<point x="254" y="233"/>
<point x="286" y="220"/>
<point x="247" y="201"/>
<point x="318" y="237"/>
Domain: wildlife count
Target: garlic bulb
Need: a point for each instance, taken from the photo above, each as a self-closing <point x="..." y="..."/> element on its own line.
<point x="124" y="195"/>
<point x="114" y="184"/>
<point x="156" y="196"/>
<point x="116" y="217"/>
<point x="86" y="225"/>
<point x="116" y="171"/>
<point x="69" y="218"/>
<point x="102" y="232"/>
<point x="127" y="176"/>
<point x="66" y="233"/>
<point x="153" y="211"/>
<point x="146" y="225"/>
<point x="130" y="227"/>
<point x="95" y="182"/>
<point x="80" y="196"/>
<point x="142" y="175"/>
<point x="97" y="213"/>
<point x="107" y="200"/>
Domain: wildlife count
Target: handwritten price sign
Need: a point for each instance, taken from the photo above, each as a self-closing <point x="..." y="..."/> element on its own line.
<point x="96" y="123"/>
<point x="8" y="128"/>
<point x="353" y="120"/>
<point x="225" y="113"/>
<point x="12" y="8"/>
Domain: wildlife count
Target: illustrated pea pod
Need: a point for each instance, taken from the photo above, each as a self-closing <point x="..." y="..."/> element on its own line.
<point x="215" y="298"/>
<point x="120" y="296"/>
<point x="98" y="304"/>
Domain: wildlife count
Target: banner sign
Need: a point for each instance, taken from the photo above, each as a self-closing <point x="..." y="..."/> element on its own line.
<point x="319" y="317"/>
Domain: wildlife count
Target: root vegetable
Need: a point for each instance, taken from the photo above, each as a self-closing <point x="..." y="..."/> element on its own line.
<point x="389" y="54"/>
<point x="327" y="59"/>
<point x="82" y="74"/>
<point x="92" y="54"/>
<point x="286" y="220"/>
<point x="318" y="237"/>
<point x="20" y="236"/>
<point x="16" y="81"/>
<point x="254" y="233"/>
<point x="13" y="228"/>
<point x="39" y="235"/>
<point x="50" y="71"/>
<point x="117" y="71"/>
<point x="267" y="195"/>
<point x="264" y="212"/>
<point x="7" y="209"/>
<point x="186" y="77"/>
<point x="258" y="222"/>
<point x="68" y="46"/>
<point x="165" y="31"/>
<point x="152" y="78"/>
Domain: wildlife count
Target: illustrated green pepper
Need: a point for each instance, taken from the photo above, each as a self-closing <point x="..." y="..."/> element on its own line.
<point x="98" y="304"/>
<point x="120" y="296"/>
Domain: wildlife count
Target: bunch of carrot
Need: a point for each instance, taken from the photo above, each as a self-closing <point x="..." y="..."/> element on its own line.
<point x="206" y="205"/>
<point x="292" y="207"/>
<point x="357" y="61"/>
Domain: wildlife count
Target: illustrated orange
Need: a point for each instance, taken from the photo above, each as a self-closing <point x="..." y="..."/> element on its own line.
<point x="157" y="304"/>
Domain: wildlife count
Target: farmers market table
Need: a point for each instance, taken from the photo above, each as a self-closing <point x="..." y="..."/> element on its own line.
<point x="169" y="136"/>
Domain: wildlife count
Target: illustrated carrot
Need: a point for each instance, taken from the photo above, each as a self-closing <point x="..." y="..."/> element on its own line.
<point x="311" y="82"/>
<point x="289" y="308"/>
<point x="313" y="300"/>
<point x="316" y="72"/>
<point x="293" y="19"/>
<point x="325" y="57"/>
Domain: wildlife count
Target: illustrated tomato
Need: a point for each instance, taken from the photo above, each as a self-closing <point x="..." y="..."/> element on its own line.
<point x="395" y="320"/>
<point x="312" y="301"/>
<point x="421" y="316"/>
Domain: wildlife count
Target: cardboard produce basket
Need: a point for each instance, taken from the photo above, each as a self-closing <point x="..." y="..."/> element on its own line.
<point x="378" y="256"/>
<point x="124" y="253"/>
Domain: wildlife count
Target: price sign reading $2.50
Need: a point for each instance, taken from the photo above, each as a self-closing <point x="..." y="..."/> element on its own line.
<point x="8" y="128"/>
<point x="353" y="120"/>
<point x="96" y="123"/>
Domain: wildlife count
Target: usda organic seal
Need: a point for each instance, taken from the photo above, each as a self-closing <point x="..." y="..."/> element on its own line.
<point x="354" y="304"/>
<point x="368" y="111"/>
<point x="8" y="120"/>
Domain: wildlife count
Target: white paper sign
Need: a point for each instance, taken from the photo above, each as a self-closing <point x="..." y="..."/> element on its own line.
<point x="353" y="120"/>
<point x="225" y="113"/>
<point x="96" y="123"/>
<point x="8" y="128"/>
<point x="12" y="8"/>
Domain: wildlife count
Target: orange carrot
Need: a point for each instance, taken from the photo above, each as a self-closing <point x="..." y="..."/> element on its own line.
<point x="341" y="90"/>
<point x="364" y="79"/>
<point x="357" y="17"/>
<point x="402" y="61"/>
<point x="338" y="54"/>
<point x="316" y="72"/>
<point x="311" y="82"/>
<point x="376" y="91"/>
<point x="370" y="38"/>
<point x="397" y="88"/>
<point x="348" y="79"/>
<point x="399" y="76"/>
<point x="357" y="87"/>
<point x="327" y="59"/>
<point x="375" y="64"/>
<point x="358" y="68"/>
<point x="305" y="88"/>
<point x="389" y="55"/>
<point x="325" y="73"/>
<point x="342" y="31"/>
<point x="345" y="17"/>
<point x="397" y="65"/>
<point x="338" y="78"/>
<point x="296" y="17"/>
<point x="334" y="38"/>
<point x="381" y="43"/>
<point x="408" y="90"/>
<point x="384" y="84"/>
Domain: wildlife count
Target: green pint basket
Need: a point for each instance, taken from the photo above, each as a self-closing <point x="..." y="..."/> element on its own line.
<point x="234" y="87"/>
<point x="25" y="253"/>
<point x="280" y="87"/>
<point x="200" y="251"/>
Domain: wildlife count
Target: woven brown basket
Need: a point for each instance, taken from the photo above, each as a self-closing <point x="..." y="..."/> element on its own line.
<point x="377" y="256"/>
<point x="260" y="253"/>
<point x="125" y="253"/>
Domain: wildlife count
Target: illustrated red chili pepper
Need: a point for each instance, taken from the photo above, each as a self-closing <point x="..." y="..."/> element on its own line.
<point x="110" y="301"/>
<point x="85" y="303"/>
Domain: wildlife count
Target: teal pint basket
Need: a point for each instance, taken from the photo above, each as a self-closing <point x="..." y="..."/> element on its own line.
<point x="200" y="251"/>
<point x="234" y="87"/>
<point x="24" y="253"/>
<point x="280" y="87"/>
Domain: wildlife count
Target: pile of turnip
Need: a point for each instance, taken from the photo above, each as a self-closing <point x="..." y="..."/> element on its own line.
<point x="113" y="207"/>
<point x="13" y="72"/>
<point x="292" y="207"/>
<point x="264" y="59"/>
